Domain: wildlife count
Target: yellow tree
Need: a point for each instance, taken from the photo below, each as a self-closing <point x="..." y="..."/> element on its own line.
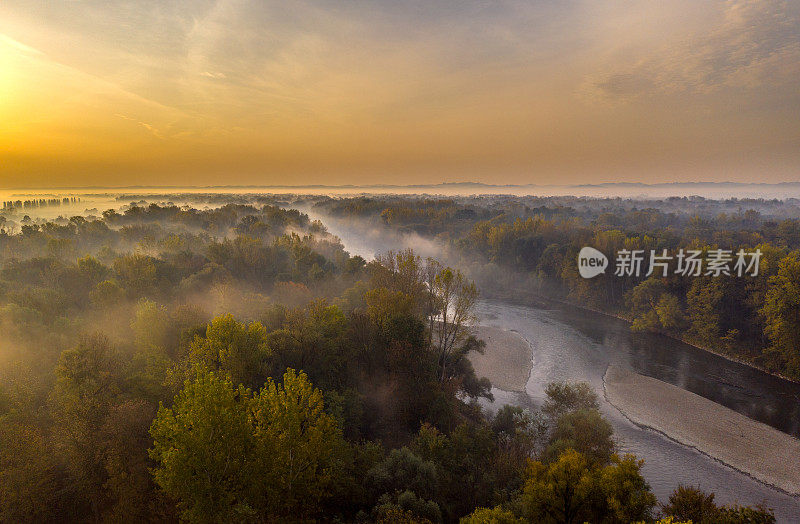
<point x="300" y="445"/>
<point x="228" y="455"/>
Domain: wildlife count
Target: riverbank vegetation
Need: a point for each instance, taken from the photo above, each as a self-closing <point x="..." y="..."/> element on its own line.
<point x="515" y="246"/>
<point x="235" y="364"/>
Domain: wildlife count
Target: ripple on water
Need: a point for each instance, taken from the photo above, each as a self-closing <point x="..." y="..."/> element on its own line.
<point x="576" y="345"/>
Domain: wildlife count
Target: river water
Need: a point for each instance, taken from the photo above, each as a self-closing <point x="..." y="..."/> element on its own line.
<point x="573" y="344"/>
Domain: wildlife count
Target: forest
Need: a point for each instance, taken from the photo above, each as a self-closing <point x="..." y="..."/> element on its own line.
<point x="236" y="364"/>
<point x="518" y="247"/>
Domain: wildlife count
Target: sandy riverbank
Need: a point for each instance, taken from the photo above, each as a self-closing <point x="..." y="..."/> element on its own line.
<point x="506" y="361"/>
<point x="761" y="451"/>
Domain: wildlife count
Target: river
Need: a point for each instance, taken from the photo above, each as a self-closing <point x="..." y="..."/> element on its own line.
<point x="573" y="344"/>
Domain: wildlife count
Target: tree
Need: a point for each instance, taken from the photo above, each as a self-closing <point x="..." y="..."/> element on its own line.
<point x="107" y="293"/>
<point x="404" y="286"/>
<point x="299" y="446"/>
<point x="670" y="314"/>
<point x="232" y="348"/>
<point x="703" y="299"/>
<point x="626" y="496"/>
<point x="137" y="273"/>
<point x="496" y="515"/>
<point x="456" y="298"/>
<point x="746" y="515"/>
<point x="690" y="503"/>
<point x="782" y="314"/>
<point x="563" y="397"/>
<point x="571" y="489"/>
<point x="130" y="485"/>
<point x="151" y="325"/>
<point x="643" y="301"/>
<point x="406" y="507"/>
<point x="226" y="454"/>
<point x="521" y="435"/>
<point x="463" y="460"/>
<point x="87" y="384"/>
<point x="403" y="470"/>
<point x="32" y="484"/>
<point x="585" y="431"/>
<point x="694" y="505"/>
<point x="206" y="451"/>
<point x="560" y="492"/>
<point x="653" y="308"/>
<point x="313" y="339"/>
<point x="402" y="272"/>
<point x="91" y="270"/>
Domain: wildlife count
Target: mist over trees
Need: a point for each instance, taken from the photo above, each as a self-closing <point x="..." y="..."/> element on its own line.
<point x="235" y="364"/>
<point x="518" y="248"/>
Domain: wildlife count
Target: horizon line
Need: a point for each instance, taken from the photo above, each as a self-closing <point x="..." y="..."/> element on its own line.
<point x="400" y="186"/>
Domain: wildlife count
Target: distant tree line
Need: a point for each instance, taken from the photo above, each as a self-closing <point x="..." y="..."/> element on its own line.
<point x="755" y="319"/>
<point x="38" y="202"/>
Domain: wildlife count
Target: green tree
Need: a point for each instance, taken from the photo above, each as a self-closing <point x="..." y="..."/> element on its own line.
<point x="32" y="483"/>
<point x="228" y="455"/>
<point x="586" y="432"/>
<point x="299" y="445"/>
<point x="151" y="325"/>
<point x="694" y="505"/>
<point x="232" y="348"/>
<point x="560" y="492"/>
<point x="107" y="293"/>
<point x="406" y="507"/>
<point x="625" y="495"/>
<point x="571" y="489"/>
<point x="642" y="303"/>
<point x="496" y="515"/>
<point x="137" y="274"/>
<point x="690" y="503"/>
<point x="653" y="308"/>
<point x="130" y="485"/>
<point x="521" y="435"/>
<point x="782" y="315"/>
<point x="703" y="306"/>
<point x="464" y="462"/>
<point x="88" y="382"/>
<point x="456" y="298"/>
<point x="404" y="481"/>
<point x="205" y="449"/>
<point x="563" y="397"/>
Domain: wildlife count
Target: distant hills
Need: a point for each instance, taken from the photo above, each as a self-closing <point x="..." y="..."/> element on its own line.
<point x="781" y="190"/>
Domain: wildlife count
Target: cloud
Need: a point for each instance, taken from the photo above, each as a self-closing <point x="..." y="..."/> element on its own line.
<point x="379" y="86"/>
<point x="19" y="46"/>
<point x="751" y="44"/>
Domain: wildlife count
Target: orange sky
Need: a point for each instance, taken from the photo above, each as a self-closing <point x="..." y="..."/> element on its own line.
<point x="268" y="92"/>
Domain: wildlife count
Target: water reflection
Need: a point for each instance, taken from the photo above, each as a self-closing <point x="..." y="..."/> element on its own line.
<point x="749" y="391"/>
<point x="571" y="344"/>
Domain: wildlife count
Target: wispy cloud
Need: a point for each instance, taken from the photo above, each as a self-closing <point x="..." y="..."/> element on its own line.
<point x="518" y="89"/>
<point x="18" y="45"/>
<point x="751" y="44"/>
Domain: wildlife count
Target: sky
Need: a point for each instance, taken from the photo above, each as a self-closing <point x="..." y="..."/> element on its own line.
<point x="162" y="92"/>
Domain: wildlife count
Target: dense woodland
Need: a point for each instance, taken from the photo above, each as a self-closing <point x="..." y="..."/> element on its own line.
<point x="235" y="364"/>
<point x="514" y="245"/>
